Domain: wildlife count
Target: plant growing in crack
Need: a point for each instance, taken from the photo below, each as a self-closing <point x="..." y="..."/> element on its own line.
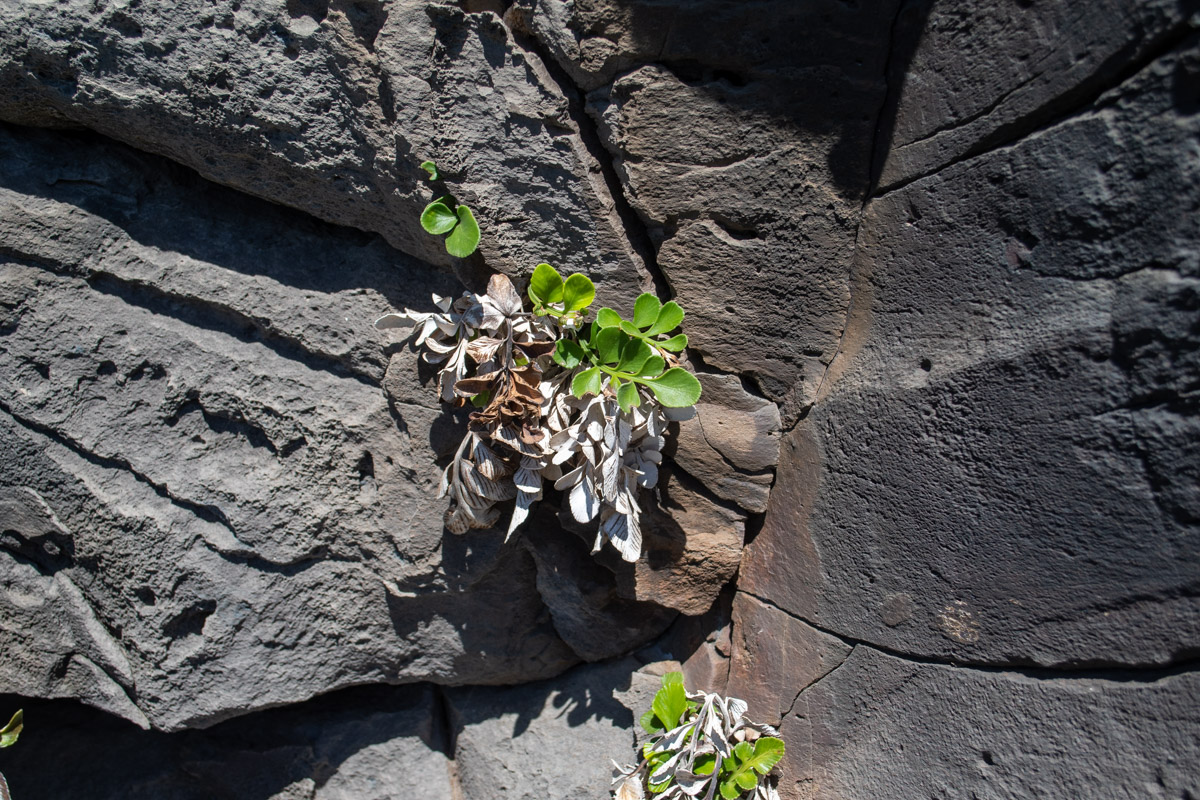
<point x="8" y="737"/>
<point x="700" y="744"/>
<point x="557" y="398"/>
<point x="446" y="216"/>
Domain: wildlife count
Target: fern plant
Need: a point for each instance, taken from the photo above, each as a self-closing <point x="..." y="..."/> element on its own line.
<point x="701" y="745"/>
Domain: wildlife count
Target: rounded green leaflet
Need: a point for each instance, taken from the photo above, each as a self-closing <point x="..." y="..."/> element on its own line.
<point x="607" y="344"/>
<point x="463" y="240"/>
<point x="627" y="396"/>
<point x="671" y="700"/>
<point x="675" y="388"/>
<point x="675" y="344"/>
<point x="438" y="218"/>
<point x="634" y="355"/>
<point x="607" y="318"/>
<point x="578" y="292"/>
<point x="760" y="757"/>
<point x="545" y="285"/>
<point x="645" y="310"/>
<point x="653" y="367"/>
<point x="590" y="381"/>
<point x="668" y="319"/>
<point x="431" y="168"/>
<point x="650" y="723"/>
<point x="567" y="354"/>
<point x="630" y="328"/>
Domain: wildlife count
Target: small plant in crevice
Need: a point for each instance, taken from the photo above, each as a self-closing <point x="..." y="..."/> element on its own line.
<point x="700" y="745"/>
<point x="446" y="216"/>
<point x="8" y="737"/>
<point x="556" y="397"/>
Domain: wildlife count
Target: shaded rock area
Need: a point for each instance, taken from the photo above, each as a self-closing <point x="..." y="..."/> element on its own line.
<point x="358" y="743"/>
<point x="937" y="514"/>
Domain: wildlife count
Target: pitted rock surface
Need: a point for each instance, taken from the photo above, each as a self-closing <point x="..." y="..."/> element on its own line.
<point x="941" y="263"/>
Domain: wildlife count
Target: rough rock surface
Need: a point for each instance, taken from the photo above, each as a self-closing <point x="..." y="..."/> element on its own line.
<point x="942" y="268"/>
<point x="1005" y="467"/>
<point x="881" y="726"/>
<point x="329" y="107"/>
<point x="550" y="739"/>
<point x="744" y="155"/>
<point x="359" y="743"/>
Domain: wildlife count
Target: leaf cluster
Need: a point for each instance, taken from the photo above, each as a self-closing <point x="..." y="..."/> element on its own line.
<point x="558" y="395"/>
<point x="620" y="353"/>
<point x="700" y="744"/>
<point x="446" y="216"/>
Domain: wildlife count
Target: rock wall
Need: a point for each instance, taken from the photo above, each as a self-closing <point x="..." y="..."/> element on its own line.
<point x="942" y="268"/>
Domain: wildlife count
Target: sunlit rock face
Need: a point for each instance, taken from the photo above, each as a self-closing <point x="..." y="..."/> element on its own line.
<point x="936" y="514"/>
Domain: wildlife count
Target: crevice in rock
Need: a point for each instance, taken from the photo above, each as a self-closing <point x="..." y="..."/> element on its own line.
<point x="1087" y="96"/>
<point x="874" y="169"/>
<point x="1124" y="673"/>
<point x="634" y="227"/>
<point x="635" y="231"/>
<point x="445" y="737"/>
<point x="694" y="484"/>
<point x="202" y="313"/>
<point x="208" y="513"/>
<point x="806" y="687"/>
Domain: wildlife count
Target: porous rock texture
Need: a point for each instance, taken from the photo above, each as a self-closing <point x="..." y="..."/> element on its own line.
<point x="941" y="263"/>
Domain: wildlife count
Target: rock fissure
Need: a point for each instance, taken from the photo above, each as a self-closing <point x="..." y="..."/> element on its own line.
<point x="1082" y="100"/>
<point x="209" y="513"/>
<point x="1115" y="673"/>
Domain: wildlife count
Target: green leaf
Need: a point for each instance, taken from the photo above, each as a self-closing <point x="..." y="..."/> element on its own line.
<point x="671" y="701"/>
<point x="635" y="353"/>
<point x="567" y="354"/>
<point x="607" y="318"/>
<point x="650" y="723"/>
<point x="653" y="367"/>
<point x="668" y="319"/>
<point x="627" y="397"/>
<point x="705" y="764"/>
<point x="675" y="388"/>
<point x="730" y="790"/>
<point x="630" y="328"/>
<point x="431" y="168"/>
<point x="645" y="310"/>
<point x="438" y="218"/>
<point x="607" y="345"/>
<point x="10" y="732"/>
<point x="463" y="240"/>
<point x="674" y="344"/>
<point x="482" y="399"/>
<point x="545" y="285"/>
<point x="590" y="381"/>
<point x="578" y="292"/>
<point x="659" y="788"/>
<point x="759" y="757"/>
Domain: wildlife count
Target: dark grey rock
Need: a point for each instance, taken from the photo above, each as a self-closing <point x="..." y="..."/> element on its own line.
<point x="977" y="75"/>
<point x="731" y="445"/>
<point x="745" y="155"/>
<point x="549" y="739"/>
<point x="377" y="742"/>
<point x="880" y="726"/>
<point x="329" y="108"/>
<point x="1008" y="439"/>
<point x="202" y="475"/>
<point x="775" y="657"/>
